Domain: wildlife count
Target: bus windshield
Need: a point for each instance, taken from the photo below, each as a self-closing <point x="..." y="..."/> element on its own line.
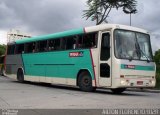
<point x="132" y="45"/>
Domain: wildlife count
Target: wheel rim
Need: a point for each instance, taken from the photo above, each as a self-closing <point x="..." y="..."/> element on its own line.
<point x="86" y="81"/>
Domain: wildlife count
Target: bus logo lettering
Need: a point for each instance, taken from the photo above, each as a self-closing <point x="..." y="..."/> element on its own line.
<point x="130" y="66"/>
<point x="76" y="54"/>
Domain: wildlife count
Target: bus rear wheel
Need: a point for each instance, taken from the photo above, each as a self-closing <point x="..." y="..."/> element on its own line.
<point x="118" y="90"/>
<point x="85" y="82"/>
<point x="20" y="76"/>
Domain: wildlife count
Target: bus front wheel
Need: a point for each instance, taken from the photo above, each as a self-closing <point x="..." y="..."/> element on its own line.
<point x="118" y="90"/>
<point x="20" y="76"/>
<point x="85" y="82"/>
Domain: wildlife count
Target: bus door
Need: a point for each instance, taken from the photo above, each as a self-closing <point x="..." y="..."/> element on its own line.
<point x="105" y="60"/>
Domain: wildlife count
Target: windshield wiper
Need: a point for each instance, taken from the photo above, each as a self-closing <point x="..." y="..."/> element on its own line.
<point x="148" y="60"/>
<point x="141" y="52"/>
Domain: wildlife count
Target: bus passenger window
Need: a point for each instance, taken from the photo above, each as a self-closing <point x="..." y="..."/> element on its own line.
<point x="42" y="46"/>
<point x="57" y="44"/>
<point x="19" y="48"/>
<point x="80" y="41"/>
<point x="51" y="45"/>
<point x="54" y="44"/>
<point x="63" y="43"/>
<point x="76" y="42"/>
<point x="71" y="43"/>
<point x="90" y="40"/>
<point x="30" y="47"/>
<point x="10" y="49"/>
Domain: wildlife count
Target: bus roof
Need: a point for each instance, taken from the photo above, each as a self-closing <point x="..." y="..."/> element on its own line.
<point x="79" y="31"/>
<point x="51" y="36"/>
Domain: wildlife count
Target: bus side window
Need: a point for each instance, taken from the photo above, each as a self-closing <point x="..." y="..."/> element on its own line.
<point x="76" y="43"/>
<point x="54" y="45"/>
<point x="57" y="44"/>
<point x="80" y="41"/>
<point x="63" y="43"/>
<point x="10" y="49"/>
<point x="51" y="45"/>
<point x="71" y="43"/>
<point x="19" y="48"/>
<point x="41" y="46"/>
<point x="90" y="40"/>
<point x="30" y="47"/>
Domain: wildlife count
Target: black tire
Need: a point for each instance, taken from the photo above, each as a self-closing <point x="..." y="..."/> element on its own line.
<point x="85" y="82"/>
<point x="118" y="90"/>
<point x="20" y="75"/>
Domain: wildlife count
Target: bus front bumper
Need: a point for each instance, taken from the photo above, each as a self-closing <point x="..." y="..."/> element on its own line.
<point x="137" y="83"/>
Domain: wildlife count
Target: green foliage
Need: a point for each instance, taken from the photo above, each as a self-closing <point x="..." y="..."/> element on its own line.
<point x="2" y="49"/>
<point x="157" y="61"/>
<point x="157" y="57"/>
<point x="98" y="10"/>
<point x="158" y="80"/>
<point x="158" y="69"/>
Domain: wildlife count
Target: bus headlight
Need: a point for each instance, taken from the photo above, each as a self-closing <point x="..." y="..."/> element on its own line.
<point x="152" y="82"/>
<point x="124" y="82"/>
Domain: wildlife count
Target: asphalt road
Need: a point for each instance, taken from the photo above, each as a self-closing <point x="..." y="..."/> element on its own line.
<point x="14" y="95"/>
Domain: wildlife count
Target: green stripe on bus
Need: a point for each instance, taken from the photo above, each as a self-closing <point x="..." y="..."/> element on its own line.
<point x="51" y="36"/>
<point x="57" y="64"/>
<point x="138" y="67"/>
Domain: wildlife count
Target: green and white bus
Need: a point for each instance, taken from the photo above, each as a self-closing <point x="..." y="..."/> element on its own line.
<point x="105" y="56"/>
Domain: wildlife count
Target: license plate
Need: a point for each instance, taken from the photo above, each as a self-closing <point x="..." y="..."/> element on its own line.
<point x="139" y="82"/>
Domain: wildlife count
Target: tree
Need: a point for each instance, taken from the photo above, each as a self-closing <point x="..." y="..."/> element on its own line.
<point x="2" y="49"/>
<point x="157" y="61"/>
<point x="98" y="10"/>
<point x="157" y="57"/>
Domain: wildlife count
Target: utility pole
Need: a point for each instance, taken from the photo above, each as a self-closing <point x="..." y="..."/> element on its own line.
<point x="129" y="11"/>
<point x="130" y="19"/>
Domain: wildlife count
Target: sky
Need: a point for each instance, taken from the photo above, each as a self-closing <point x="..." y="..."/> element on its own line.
<point x="38" y="17"/>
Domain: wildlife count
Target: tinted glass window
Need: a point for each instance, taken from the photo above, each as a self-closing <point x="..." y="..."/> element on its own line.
<point x="19" y="48"/>
<point x="71" y="43"/>
<point x="79" y="41"/>
<point x="105" y="46"/>
<point x="10" y="49"/>
<point x="104" y="70"/>
<point x="54" y="44"/>
<point x="63" y="43"/>
<point x="90" y="40"/>
<point x="42" y="46"/>
<point x="30" y="47"/>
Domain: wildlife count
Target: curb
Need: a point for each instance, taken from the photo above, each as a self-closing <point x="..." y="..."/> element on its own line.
<point x="143" y="90"/>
